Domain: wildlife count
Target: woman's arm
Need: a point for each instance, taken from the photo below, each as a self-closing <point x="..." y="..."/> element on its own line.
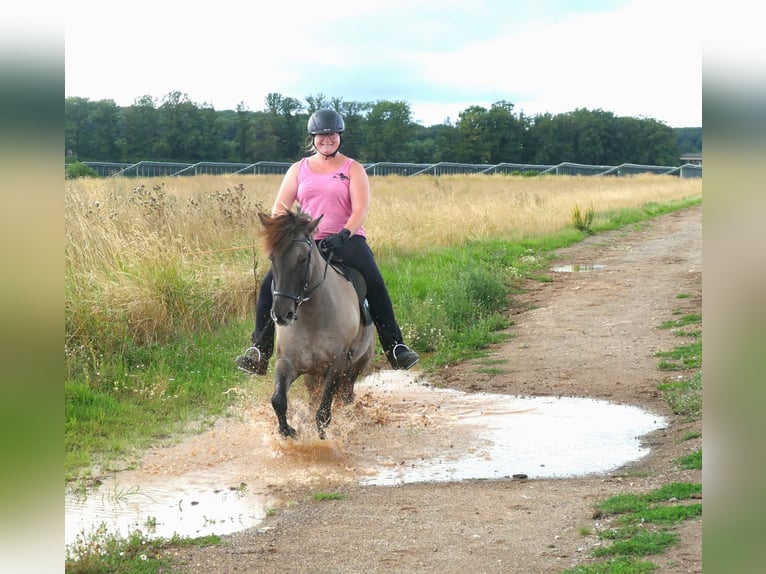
<point x="359" y="190"/>
<point x="288" y="191"/>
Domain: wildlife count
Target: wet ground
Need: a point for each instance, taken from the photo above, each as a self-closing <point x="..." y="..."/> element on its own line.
<point x="399" y="430"/>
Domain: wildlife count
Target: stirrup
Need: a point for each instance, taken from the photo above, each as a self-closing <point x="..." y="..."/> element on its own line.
<point x="247" y="363"/>
<point x="406" y="359"/>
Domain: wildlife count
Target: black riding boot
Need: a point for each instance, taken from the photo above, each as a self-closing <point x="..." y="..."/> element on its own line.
<point x="400" y="356"/>
<point x="255" y="360"/>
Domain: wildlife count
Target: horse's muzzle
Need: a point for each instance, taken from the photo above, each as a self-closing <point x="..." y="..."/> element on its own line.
<point x="284" y="319"/>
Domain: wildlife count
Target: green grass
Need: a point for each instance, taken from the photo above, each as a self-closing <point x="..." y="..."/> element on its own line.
<point x="146" y="396"/>
<point x="691" y="319"/>
<point x="321" y="496"/>
<point x="684" y="395"/>
<point x="646" y="527"/>
<point x="635" y="542"/>
<point x="620" y="565"/>
<point x="691" y="461"/>
<point x="102" y="551"/>
<point x="688" y="356"/>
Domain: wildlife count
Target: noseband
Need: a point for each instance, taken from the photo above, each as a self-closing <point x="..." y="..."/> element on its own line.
<point x="305" y="291"/>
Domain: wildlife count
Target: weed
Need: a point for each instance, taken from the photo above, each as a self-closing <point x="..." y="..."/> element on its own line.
<point x="684" y="397"/>
<point x="691" y="435"/>
<point x="682" y="357"/>
<point x="103" y="551"/>
<point x="583" y="221"/>
<point x="660" y="508"/>
<point x="619" y="565"/>
<point x="151" y="524"/>
<point x="691" y="319"/>
<point x="637" y="543"/>
<point x="491" y="371"/>
<point x="327" y="496"/>
<point x="691" y="461"/>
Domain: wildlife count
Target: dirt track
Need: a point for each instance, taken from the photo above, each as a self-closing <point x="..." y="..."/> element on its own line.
<point x="592" y="334"/>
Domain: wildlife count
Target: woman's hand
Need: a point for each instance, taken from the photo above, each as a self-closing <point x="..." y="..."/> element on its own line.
<point x="332" y="242"/>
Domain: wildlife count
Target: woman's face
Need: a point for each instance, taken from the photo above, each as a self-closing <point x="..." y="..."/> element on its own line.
<point x="326" y="143"/>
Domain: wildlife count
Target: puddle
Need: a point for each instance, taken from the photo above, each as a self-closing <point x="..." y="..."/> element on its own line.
<point x="398" y="430"/>
<point x="577" y="268"/>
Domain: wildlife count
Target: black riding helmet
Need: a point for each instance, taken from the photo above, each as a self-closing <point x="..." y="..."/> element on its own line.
<point x="325" y="122"/>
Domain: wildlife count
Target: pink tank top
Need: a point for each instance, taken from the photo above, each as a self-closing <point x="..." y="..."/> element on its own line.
<point x="326" y="194"/>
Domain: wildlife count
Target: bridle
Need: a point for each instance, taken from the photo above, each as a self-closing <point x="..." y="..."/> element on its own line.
<point x="305" y="291"/>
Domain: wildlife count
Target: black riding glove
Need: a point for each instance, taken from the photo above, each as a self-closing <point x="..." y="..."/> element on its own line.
<point x="332" y="242"/>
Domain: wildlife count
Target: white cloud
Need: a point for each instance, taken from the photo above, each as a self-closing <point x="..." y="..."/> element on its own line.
<point x="642" y="58"/>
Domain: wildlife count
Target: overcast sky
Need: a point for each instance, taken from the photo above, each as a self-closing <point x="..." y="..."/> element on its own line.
<point x="640" y="58"/>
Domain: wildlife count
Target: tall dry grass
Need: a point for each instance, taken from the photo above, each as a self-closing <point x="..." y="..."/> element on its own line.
<point x="147" y="258"/>
<point x="425" y="211"/>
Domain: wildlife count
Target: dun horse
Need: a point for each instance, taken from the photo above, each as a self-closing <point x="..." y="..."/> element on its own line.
<point x="321" y="332"/>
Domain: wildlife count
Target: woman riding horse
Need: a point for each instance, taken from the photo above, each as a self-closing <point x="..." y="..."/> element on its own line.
<point x="335" y="187"/>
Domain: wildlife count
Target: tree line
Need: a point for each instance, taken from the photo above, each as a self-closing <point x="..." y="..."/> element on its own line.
<point x="176" y="129"/>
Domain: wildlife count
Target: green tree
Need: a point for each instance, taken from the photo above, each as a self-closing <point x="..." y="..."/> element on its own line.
<point x="389" y="128"/>
<point x="279" y="133"/>
<point x="243" y="133"/>
<point x="77" y="125"/>
<point x="354" y="117"/>
<point x="505" y="133"/>
<point x="142" y="130"/>
<point x="689" y="140"/>
<point x="591" y="131"/>
<point x="446" y="139"/>
<point x="474" y="145"/>
<point x="106" y="137"/>
<point x="661" y="143"/>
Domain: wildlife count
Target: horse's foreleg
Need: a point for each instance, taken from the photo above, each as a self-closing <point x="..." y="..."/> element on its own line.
<point x="279" y="402"/>
<point x="324" y="413"/>
<point x="345" y="390"/>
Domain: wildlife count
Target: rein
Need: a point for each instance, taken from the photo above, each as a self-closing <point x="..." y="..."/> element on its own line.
<point x="305" y="292"/>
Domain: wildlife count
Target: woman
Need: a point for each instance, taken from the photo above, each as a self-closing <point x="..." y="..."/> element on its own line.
<point x="331" y="184"/>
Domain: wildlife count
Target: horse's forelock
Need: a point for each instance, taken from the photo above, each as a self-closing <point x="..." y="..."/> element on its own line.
<point x="279" y="231"/>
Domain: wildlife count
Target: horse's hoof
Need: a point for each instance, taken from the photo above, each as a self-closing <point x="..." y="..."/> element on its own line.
<point x="288" y="432"/>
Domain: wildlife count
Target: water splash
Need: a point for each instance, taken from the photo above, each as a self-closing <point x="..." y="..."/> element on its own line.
<point x="398" y="430"/>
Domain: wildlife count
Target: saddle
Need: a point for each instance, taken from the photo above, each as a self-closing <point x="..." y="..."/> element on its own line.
<point x="356" y="279"/>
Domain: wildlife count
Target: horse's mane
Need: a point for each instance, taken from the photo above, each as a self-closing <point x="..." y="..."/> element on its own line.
<point x="279" y="231"/>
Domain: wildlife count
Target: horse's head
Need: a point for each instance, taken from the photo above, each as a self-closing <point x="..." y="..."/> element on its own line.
<point x="288" y="240"/>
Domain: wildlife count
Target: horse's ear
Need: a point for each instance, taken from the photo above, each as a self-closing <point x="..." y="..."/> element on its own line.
<point x="264" y="217"/>
<point x="314" y="223"/>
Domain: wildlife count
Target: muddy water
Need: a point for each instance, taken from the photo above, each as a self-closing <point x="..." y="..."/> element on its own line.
<point x="398" y="430"/>
<point x="578" y="268"/>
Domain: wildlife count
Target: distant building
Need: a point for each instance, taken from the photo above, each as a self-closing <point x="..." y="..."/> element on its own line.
<point x="692" y="158"/>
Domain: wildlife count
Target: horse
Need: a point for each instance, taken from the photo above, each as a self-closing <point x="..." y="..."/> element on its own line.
<point x="329" y="342"/>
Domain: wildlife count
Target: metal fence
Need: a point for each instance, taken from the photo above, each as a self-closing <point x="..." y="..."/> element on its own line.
<point x="172" y="169"/>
